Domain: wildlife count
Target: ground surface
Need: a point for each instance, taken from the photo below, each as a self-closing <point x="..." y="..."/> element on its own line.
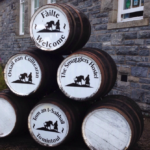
<point x="25" y="142"/>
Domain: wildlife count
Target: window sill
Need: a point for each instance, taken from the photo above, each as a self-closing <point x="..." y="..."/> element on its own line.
<point x="22" y="36"/>
<point x="135" y="23"/>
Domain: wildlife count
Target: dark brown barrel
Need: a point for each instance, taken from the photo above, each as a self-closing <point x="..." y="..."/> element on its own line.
<point x="55" y="120"/>
<point x="14" y="112"/>
<point x="32" y="72"/>
<point x="59" y="28"/>
<point x="117" y="124"/>
<point x="87" y="74"/>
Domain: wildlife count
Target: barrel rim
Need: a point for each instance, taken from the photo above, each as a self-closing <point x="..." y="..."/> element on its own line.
<point x="108" y="108"/>
<point x="33" y="18"/>
<point x="31" y="132"/>
<point x="38" y="62"/>
<point x="15" y="110"/>
<point x="59" y="82"/>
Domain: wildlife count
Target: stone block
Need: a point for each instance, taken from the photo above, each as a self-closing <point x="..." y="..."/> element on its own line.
<point x="146" y="87"/>
<point x="143" y="34"/>
<point x="116" y="39"/>
<point x="143" y="80"/>
<point x="104" y="14"/>
<point x="138" y="94"/>
<point x="144" y="52"/>
<point x="101" y="27"/>
<point x="123" y="85"/>
<point x="129" y="42"/>
<point x="104" y="38"/>
<point x="127" y="50"/>
<point x="130" y="35"/>
<point x="118" y="59"/>
<point x="143" y="64"/>
<point x="94" y="8"/>
<point x="124" y="70"/>
<point x="104" y="20"/>
<point x="139" y="71"/>
<point x="96" y="21"/>
<point x="134" y="58"/>
<point x="146" y="10"/>
<point x="147" y="41"/>
<point x="93" y="39"/>
<point x="107" y="5"/>
<point x="107" y="47"/>
<point x="134" y="85"/>
<point x="88" y="3"/>
<point x="94" y="45"/>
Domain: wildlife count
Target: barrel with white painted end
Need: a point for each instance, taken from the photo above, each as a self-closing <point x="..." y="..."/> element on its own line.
<point x="59" y="28"/>
<point x="14" y="113"/>
<point x="32" y="72"/>
<point x="87" y="74"/>
<point x="55" y="120"/>
<point x="115" y="123"/>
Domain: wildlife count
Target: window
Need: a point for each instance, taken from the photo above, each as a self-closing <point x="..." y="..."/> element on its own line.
<point x="22" y="13"/>
<point x="51" y="1"/>
<point x="34" y="6"/>
<point x="129" y="10"/>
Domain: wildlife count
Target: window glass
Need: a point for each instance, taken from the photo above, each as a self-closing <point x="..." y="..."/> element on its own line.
<point x="127" y="4"/>
<point x="23" y="17"/>
<point x="36" y="5"/>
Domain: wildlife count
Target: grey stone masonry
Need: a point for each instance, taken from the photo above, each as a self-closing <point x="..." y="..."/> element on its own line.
<point x="127" y="43"/>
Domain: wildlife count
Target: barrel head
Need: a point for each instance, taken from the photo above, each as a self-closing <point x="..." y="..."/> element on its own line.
<point x="79" y="77"/>
<point x="7" y="117"/>
<point x="48" y="124"/>
<point x="22" y="74"/>
<point x="105" y="129"/>
<point x="49" y="27"/>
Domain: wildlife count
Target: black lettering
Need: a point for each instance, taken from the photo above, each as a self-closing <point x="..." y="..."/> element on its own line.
<point x="63" y="37"/>
<point x="54" y="44"/>
<point x="42" y="15"/>
<point x="57" y="15"/>
<point x="43" y="43"/>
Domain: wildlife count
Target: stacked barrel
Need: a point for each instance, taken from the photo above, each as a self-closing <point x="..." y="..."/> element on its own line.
<point x="86" y="75"/>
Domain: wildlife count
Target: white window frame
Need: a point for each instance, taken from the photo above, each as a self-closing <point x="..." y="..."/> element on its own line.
<point x="51" y="1"/>
<point x="33" y="9"/>
<point x="21" y="28"/>
<point x="121" y="11"/>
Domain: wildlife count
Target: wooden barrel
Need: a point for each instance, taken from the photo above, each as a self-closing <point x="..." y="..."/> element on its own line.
<point x="32" y="72"/>
<point x="55" y="120"/>
<point x="59" y="28"/>
<point x="87" y="74"/>
<point x="14" y="112"/>
<point x="114" y="123"/>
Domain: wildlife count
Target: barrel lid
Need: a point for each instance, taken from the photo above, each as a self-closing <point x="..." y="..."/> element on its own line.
<point x="106" y="129"/>
<point x="22" y="74"/>
<point x="48" y="124"/>
<point x="79" y="77"/>
<point x="7" y="117"/>
<point x="49" y="28"/>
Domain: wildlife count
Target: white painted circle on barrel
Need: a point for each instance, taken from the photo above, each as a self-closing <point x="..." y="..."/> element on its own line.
<point x="79" y="77"/>
<point x="106" y="129"/>
<point x="7" y="118"/>
<point x="49" y="28"/>
<point x="22" y="74"/>
<point x="48" y="124"/>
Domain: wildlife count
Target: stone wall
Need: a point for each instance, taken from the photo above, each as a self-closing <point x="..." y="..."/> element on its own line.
<point x="128" y="46"/>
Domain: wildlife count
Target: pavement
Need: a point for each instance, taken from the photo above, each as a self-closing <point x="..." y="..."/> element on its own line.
<point x="25" y="142"/>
